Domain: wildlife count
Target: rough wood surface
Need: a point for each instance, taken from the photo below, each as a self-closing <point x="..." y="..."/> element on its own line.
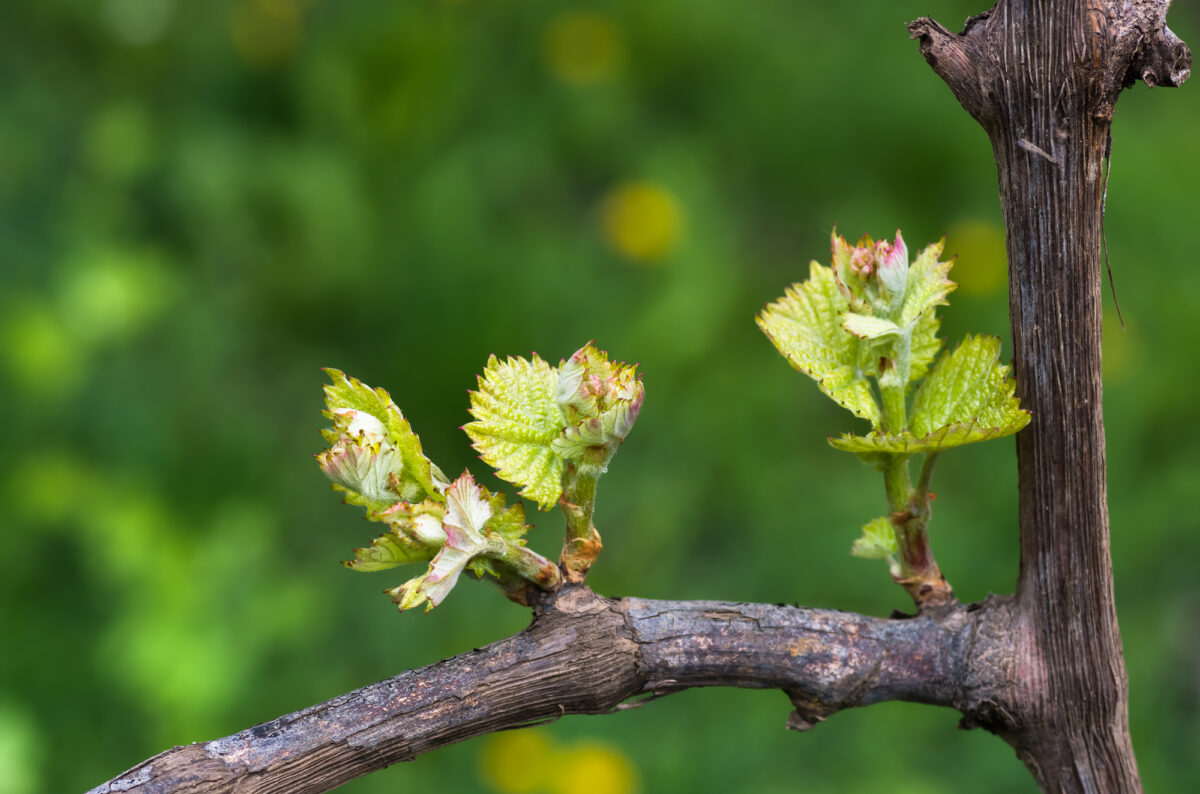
<point x="1042" y="77"/>
<point x="584" y="654"/>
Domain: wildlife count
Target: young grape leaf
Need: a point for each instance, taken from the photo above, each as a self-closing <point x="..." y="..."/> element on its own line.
<point x="878" y="540"/>
<point x="467" y="513"/>
<point x="867" y="327"/>
<point x="360" y="412"/>
<point x="507" y="522"/>
<point x="516" y="419"/>
<point x="388" y="551"/>
<point x="805" y="325"/>
<point x="927" y="284"/>
<point x="366" y="468"/>
<point x="421" y="522"/>
<point x="925" y="345"/>
<point x="968" y="397"/>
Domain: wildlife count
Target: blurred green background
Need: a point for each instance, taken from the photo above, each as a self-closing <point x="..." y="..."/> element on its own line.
<point x="201" y="204"/>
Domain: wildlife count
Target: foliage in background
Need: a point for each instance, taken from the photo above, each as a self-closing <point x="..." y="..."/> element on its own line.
<point x="201" y="204"/>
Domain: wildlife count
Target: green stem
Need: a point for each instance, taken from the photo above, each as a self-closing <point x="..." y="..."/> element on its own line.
<point x="527" y="564"/>
<point x="582" y="544"/>
<point x="898" y="483"/>
<point x="580" y="493"/>
<point x="895" y="414"/>
<point x="919" y="571"/>
<point x="921" y="498"/>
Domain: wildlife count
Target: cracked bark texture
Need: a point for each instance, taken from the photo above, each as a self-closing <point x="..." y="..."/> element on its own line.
<point x="585" y="654"/>
<point x="1042" y="78"/>
<point x="1043" y="669"/>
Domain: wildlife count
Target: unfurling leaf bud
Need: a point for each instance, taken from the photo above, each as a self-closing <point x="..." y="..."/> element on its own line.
<point x="364" y="466"/>
<point x="600" y="402"/>
<point x="373" y="454"/>
<point x="862" y="263"/>
<point x="892" y="261"/>
<point x="467" y="514"/>
<point x="376" y="460"/>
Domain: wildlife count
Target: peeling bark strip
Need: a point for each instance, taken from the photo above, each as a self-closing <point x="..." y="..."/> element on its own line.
<point x="585" y="654"/>
<point x="1042" y="77"/>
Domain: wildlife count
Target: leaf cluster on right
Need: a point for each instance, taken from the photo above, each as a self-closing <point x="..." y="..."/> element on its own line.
<point x="865" y="329"/>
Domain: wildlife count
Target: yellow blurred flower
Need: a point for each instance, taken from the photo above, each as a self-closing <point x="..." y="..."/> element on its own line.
<point x="265" y="32"/>
<point x="527" y="762"/>
<point x="583" y="47"/>
<point x="594" y="768"/>
<point x="517" y="762"/>
<point x="982" y="266"/>
<point x="641" y="221"/>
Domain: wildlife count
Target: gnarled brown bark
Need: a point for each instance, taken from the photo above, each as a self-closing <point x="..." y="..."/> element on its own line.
<point x="1042" y="78"/>
<point x="585" y="654"/>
